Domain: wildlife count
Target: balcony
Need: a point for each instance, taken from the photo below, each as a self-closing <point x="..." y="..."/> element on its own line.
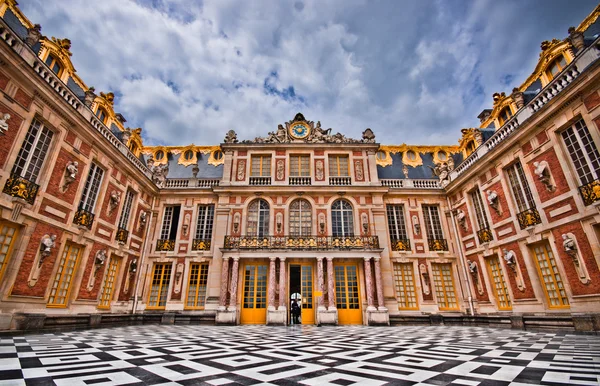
<point x="529" y="218"/>
<point x="400" y="245"/>
<point x="437" y="245"/>
<point x="590" y="192"/>
<point x="299" y="181"/>
<point x="259" y="181"/>
<point x="122" y="235"/>
<point x="191" y="183"/>
<point x="201" y="245"/>
<point x="485" y="235"/>
<point x="301" y="242"/>
<point x="165" y="245"/>
<point x="84" y="218"/>
<point x="340" y="181"/>
<point x="17" y="186"/>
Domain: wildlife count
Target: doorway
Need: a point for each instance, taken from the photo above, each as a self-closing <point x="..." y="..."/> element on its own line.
<point x="301" y="290"/>
<point x="347" y="294"/>
<point x="254" y="305"/>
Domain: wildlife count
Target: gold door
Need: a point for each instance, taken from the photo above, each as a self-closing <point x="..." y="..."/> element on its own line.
<point x="308" y="311"/>
<point x="347" y="297"/>
<point x="254" y="303"/>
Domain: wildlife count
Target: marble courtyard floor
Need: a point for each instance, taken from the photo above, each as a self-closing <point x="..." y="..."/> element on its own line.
<point x="304" y="355"/>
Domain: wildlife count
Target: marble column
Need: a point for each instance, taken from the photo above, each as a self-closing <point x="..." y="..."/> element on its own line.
<point x="320" y="288"/>
<point x="234" y="284"/>
<point x="369" y="285"/>
<point x="330" y="284"/>
<point x="282" y="281"/>
<point x="379" y="284"/>
<point x="272" y="282"/>
<point x="224" y="282"/>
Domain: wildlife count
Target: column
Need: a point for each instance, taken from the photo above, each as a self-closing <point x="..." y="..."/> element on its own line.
<point x="369" y="285"/>
<point x="330" y="284"/>
<point x="224" y="282"/>
<point x="379" y="284"/>
<point x="320" y="288"/>
<point x="282" y="296"/>
<point x="272" y="279"/>
<point x="234" y="283"/>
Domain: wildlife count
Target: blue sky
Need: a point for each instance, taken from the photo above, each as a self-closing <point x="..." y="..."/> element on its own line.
<point x="414" y="72"/>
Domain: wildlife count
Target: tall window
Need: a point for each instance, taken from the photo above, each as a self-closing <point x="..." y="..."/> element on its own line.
<point x="505" y="115"/>
<point x="170" y="222"/>
<point x="8" y="235"/>
<point x="126" y="211"/>
<point x="204" y="224"/>
<point x="342" y="221"/>
<point x="338" y="166"/>
<point x="551" y="280"/>
<point x="300" y="165"/>
<point x="396" y="223"/>
<point x="258" y="218"/>
<point x="101" y="114"/>
<point x="498" y="283"/>
<point x="33" y="151"/>
<point x="91" y="188"/>
<point x="520" y="188"/>
<point x="432" y="222"/>
<point x="196" y="293"/>
<point x="108" y="285"/>
<point x="583" y="152"/>
<point x="404" y="279"/>
<point x="300" y="218"/>
<point x="261" y="166"/>
<point x="484" y="232"/>
<point x="556" y="67"/>
<point x="54" y="65"/>
<point x="444" y="286"/>
<point x="161" y="277"/>
<point x="61" y="285"/>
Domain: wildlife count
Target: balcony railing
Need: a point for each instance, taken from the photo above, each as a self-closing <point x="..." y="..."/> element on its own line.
<point x="17" y="186"/>
<point x="183" y="183"/>
<point x="438" y="245"/>
<point x="259" y="181"/>
<point x="201" y="245"/>
<point x="400" y="245"/>
<point x="122" y="235"/>
<point x="299" y="181"/>
<point x="84" y="218"/>
<point x="340" y="181"/>
<point x="590" y="192"/>
<point x="165" y="245"/>
<point x="485" y="235"/>
<point x="528" y="218"/>
<point x="301" y="242"/>
<point x="411" y="183"/>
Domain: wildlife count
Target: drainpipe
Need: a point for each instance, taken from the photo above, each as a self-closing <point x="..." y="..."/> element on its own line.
<point x="462" y="257"/>
<point x="141" y="264"/>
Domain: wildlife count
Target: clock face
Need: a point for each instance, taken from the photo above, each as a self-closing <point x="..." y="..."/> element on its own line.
<point x="299" y="131"/>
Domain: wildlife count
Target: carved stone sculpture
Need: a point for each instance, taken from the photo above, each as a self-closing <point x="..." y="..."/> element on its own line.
<point x="125" y="135"/>
<point x="46" y="245"/>
<point x="424" y="278"/>
<point x="195" y="171"/>
<point x="450" y="163"/>
<point x="368" y="136"/>
<point x="492" y="198"/>
<point x="518" y="98"/>
<point x="143" y="219"/>
<point x="186" y="223"/>
<point x="511" y="260"/>
<point x="441" y="171"/>
<point x="462" y="219"/>
<point x="280" y="169"/>
<point x="358" y="166"/>
<point x="115" y="199"/>
<point x="159" y="174"/>
<point x="542" y="171"/>
<point x="4" y="123"/>
<point x="576" y="39"/>
<point x="416" y="225"/>
<point x="569" y="245"/>
<point x="279" y="222"/>
<point x="236" y="223"/>
<point x="405" y="171"/>
<point x="321" y="223"/>
<point x="230" y="137"/>
<point x="71" y="171"/>
<point x="241" y="170"/>
<point x="33" y="35"/>
<point x="365" y="223"/>
<point x="89" y="97"/>
<point x="100" y="257"/>
<point x="472" y="267"/>
<point x="474" y="271"/>
<point x="133" y="266"/>
<point x="320" y="174"/>
<point x="570" y="248"/>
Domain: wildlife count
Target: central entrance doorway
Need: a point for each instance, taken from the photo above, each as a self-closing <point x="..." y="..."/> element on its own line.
<point x="254" y="306"/>
<point x="301" y="290"/>
<point x="347" y="297"/>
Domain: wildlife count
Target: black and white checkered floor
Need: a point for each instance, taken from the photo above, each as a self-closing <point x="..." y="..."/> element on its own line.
<point x="304" y="355"/>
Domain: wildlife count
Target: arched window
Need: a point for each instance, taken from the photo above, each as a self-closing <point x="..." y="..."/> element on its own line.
<point x="54" y="64"/>
<point x="505" y="115"/>
<point x="258" y="218"/>
<point x="342" y="222"/>
<point x="133" y="147"/>
<point x="556" y="67"/>
<point x="101" y="114"/>
<point x="300" y="218"/>
<point x="470" y="148"/>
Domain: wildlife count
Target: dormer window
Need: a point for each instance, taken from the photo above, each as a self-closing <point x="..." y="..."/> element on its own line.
<point x="102" y="116"/>
<point x="133" y="147"/>
<point x="188" y="155"/>
<point x="470" y="148"/>
<point x="159" y="155"/>
<point x="54" y="64"/>
<point x="505" y="115"/>
<point x="556" y="67"/>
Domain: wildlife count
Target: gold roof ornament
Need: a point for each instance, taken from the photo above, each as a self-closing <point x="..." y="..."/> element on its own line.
<point x="411" y="154"/>
<point x="468" y="135"/>
<point x="182" y="151"/>
<point x="550" y="51"/>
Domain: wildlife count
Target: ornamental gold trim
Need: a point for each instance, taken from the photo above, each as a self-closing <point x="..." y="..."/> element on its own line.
<point x="550" y="51"/>
<point x="417" y="149"/>
<point x="12" y="5"/>
<point x="589" y="20"/>
<point x="180" y="150"/>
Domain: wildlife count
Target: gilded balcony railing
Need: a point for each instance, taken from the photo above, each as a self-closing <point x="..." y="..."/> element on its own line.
<point x="165" y="245"/>
<point x="400" y="245"/>
<point x="201" y="245"/>
<point x="122" y="235"/>
<point x="84" y="218"/>
<point x="485" y="235"/>
<point x="438" y="245"/>
<point x="590" y="192"/>
<point x="528" y="218"/>
<point x="301" y="242"/>
<point x="17" y="186"/>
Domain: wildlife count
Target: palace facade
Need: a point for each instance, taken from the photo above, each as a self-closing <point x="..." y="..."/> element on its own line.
<point x="500" y="229"/>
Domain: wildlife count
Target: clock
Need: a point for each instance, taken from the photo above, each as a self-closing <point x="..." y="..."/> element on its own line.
<point x="299" y="130"/>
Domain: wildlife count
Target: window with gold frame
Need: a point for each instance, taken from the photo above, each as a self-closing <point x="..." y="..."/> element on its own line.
<point x="8" y="235"/>
<point x="404" y="280"/>
<point x="102" y="115"/>
<point x="338" y="165"/>
<point x="197" y="282"/>
<point x="159" y="286"/>
<point x="556" y="67"/>
<point x="109" y="282"/>
<point x="551" y="281"/>
<point x="504" y="115"/>
<point x="63" y="279"/>
<point x="444" y="286"/>
<point x="300" y="165"/>
<point x="498" y="283"/>
<point x="54" y="64"/>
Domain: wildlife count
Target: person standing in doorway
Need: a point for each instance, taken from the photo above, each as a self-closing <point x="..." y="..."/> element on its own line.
<point x="295" y="312"/>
